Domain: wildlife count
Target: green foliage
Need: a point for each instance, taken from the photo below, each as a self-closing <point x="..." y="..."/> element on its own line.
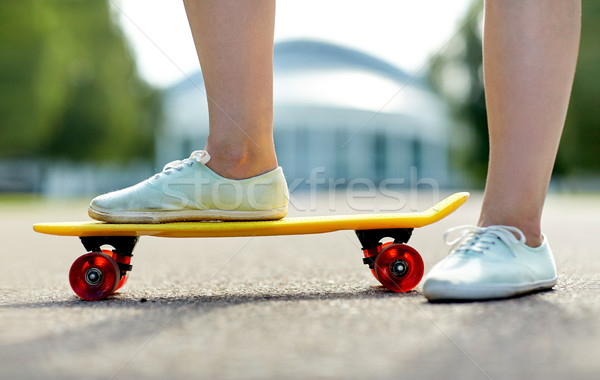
<point x="457" y="74"/>
<point x="69" y="86"/>
<point x="578" y="153"/>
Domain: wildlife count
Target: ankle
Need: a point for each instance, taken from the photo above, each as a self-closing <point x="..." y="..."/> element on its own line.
<point x="238" y="162"/>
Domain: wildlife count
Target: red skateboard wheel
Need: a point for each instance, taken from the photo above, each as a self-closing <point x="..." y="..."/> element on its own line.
<point x="119" y="259"/>
<point x="94" y="276"/>
<point x="122" y="281"/>
<point x="399" y="267"/>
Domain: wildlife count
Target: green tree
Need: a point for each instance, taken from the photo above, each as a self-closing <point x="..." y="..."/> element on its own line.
<point x="69" y="86"/>
<point x="457" y="74"/>
<point x="578" y="153"/>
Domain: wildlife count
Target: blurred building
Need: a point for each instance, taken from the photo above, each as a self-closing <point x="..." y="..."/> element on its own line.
<point x="337" y="111"/>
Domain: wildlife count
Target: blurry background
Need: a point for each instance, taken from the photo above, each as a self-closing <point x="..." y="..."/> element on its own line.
<point x="97" y="95"/>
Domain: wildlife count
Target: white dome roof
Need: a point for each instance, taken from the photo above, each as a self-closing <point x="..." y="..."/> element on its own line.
<point x="330" y="82"/>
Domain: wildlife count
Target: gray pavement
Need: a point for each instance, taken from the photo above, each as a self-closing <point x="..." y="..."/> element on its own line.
<point x="289" y="307"/>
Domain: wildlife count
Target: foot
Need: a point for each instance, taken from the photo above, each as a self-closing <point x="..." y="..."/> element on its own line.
<point x="188" y="190"/>
<point x="490" y="262"/>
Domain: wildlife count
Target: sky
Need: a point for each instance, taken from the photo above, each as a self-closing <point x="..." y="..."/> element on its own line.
<point x="405" y="33"/>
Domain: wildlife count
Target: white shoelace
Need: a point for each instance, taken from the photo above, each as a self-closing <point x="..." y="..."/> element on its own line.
<point x="200" y="156"/>
<point x="480" y="239"/>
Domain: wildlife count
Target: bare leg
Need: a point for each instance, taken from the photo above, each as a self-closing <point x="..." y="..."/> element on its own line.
<point x="234" y="41"/>
<point x="530" y="52"/>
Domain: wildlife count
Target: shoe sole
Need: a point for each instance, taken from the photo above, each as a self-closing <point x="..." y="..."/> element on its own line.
<point x="448" y="292"/>
<point x="154" y="217"/>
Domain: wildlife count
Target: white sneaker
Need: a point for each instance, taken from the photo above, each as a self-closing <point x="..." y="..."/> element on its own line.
<point x="490" y="262"/>
<point x="189" y="190"/>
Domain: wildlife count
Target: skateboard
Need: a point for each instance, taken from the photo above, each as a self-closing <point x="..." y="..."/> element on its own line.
<point x="397" y="266"/>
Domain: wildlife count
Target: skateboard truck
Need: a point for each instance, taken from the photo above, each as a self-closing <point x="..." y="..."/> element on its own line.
<point x="123" y="245"/>
<point x="395" y="265"/>
<point x="122" y="248"/>
<point x="371" y="241"/>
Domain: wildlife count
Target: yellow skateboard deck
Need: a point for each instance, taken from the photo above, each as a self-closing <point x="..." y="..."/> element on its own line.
<point x="286" y="226"/>
<point x="397" y="266"/>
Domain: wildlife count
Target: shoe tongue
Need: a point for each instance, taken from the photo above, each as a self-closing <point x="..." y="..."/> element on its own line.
<point x="509" y="235"/>
<point x="200" y="156"/>
<point x="476" y="242"/>
<point x="486" y="238"/>
<point x="479" y="239"/>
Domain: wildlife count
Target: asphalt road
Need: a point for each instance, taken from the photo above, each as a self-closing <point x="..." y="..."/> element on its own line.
<point x="294" y="307"/>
